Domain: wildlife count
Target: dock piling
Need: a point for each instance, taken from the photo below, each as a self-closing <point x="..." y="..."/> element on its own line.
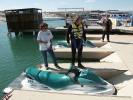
<point x="34" y="32"/>
<point x="20" y="33"/>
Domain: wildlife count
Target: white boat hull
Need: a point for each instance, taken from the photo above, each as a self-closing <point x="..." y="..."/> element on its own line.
<point x="76" y="89"/>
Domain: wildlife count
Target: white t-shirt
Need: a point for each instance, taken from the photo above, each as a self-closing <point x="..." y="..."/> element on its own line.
<point x="44" y="37"/>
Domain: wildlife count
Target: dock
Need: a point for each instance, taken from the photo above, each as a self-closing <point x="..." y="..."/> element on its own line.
<point x="104" y="70"/>
<point x="119" y="62"/>
<point x="91" y="30"/>
<point x="39" y="95"/>
<point x="96" y="30"/>
<point x="88" y="54"/>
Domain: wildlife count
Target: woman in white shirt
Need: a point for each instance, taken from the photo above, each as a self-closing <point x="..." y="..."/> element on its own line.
<point x="45" y="44"/>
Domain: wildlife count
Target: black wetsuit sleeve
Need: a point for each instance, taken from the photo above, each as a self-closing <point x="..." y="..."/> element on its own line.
<point x="84" y="34"/>
<point x="68" y="33"/>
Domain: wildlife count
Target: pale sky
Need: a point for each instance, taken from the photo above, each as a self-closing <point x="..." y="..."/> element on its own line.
<point x="53" y="5"/>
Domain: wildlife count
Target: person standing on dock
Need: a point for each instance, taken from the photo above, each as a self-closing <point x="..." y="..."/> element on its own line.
<point x="45" y="44"/>
<point x="78" y="39"/>
<point x="107" y="27"/>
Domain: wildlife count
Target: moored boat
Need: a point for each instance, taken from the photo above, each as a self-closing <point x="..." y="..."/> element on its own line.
<point x="75" y="81"/>
<point x="61" y="44"/>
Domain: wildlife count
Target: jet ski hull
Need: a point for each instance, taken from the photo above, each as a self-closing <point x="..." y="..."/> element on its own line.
<point x="74" y="81"/>
<point x="108" y="89"/>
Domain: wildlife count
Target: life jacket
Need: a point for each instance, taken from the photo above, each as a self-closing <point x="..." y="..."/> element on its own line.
<point x="77" y="31"/>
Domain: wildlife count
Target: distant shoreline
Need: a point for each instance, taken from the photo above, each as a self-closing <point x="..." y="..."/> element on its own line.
<point x="2" y="21"/>
<point x="42" y="17"/>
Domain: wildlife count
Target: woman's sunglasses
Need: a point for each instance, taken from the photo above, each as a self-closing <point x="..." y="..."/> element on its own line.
<point x="45" y="28"/>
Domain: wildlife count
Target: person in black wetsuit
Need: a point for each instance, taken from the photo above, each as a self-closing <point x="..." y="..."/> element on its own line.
<point x="78" y="39"/>
<point x="107" y="27"/>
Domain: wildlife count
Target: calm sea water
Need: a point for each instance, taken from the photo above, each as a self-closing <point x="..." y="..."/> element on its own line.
<point x="20" y="52"/>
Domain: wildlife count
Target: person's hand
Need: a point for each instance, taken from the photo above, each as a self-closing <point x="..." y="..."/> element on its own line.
<point x="50" y="48"/>
<point x="45" y="42"/>
<point x="53" y="48"/>
<point x="68" y="44"/>
<point x="84" y="43"/>
<point x="102" y="20"/>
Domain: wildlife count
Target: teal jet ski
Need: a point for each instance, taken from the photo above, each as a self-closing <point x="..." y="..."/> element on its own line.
<point x="61" y="44"/>
<point x="74" y="81"/>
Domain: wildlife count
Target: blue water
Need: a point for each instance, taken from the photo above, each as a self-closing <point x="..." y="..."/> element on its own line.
<point x="20" y="52"/>
<point x="55" y="23"/>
